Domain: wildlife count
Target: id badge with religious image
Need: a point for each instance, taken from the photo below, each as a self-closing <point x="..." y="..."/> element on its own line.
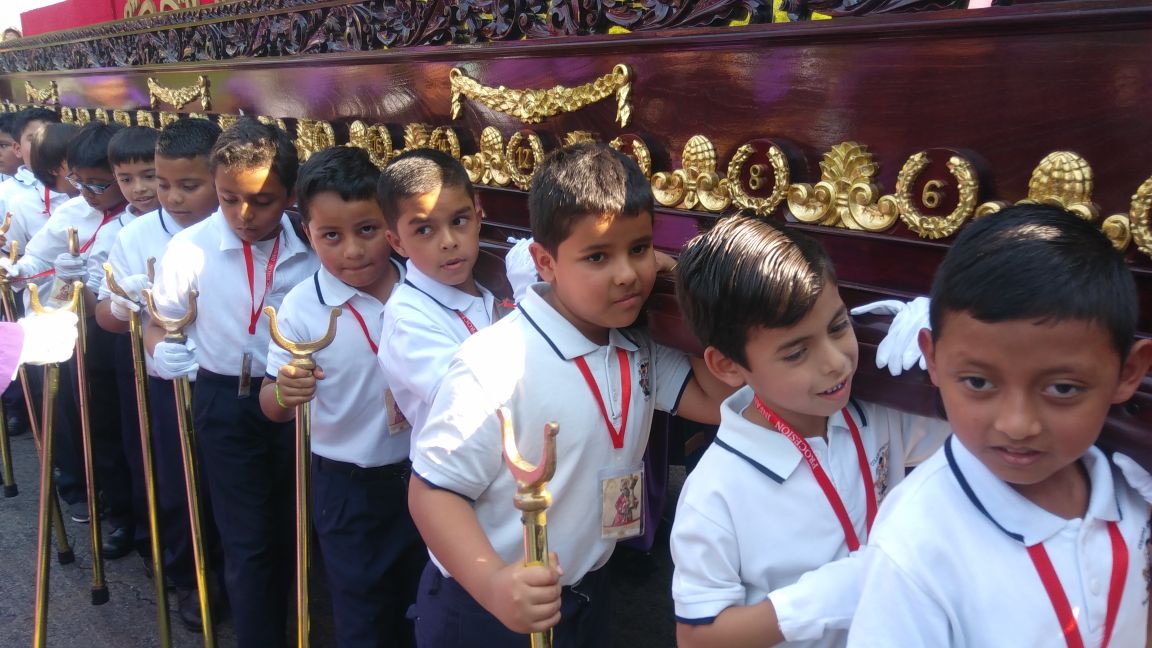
<point x="243" y="389"/>
<point x="622" y="502"/>
<point x="397" y="423"/>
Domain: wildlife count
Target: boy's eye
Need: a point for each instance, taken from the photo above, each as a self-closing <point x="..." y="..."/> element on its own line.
<point x="423" y="230"/>
<point x="595" y="258"/>
<point x="331" y="236"/>
<point x="460" y="220"/>
<point x="640" y="249"/>
<point x="164" y="186"/>
<point x="368" y="229"/>
<point x="189" y="188"/>
<point x="977" y="383"/>
<point x="1063" y="390"/>
<point x="228" y="199"/>
<point x="795" y="356"/>
<point x="839" y="326"/>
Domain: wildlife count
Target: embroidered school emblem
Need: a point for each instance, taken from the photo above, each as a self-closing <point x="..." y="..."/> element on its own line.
<point x="1146" y="542"/>
<point x="881" y="480"/>
<point x="645" y="383"/>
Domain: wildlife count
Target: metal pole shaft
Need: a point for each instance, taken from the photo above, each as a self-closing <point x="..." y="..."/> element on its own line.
<point x="10" y="488"/>
<point x="44" y="539"/>
<point x="99" y="587"/>
<point x="183" y="391"/>
<point x="303" y="520"/>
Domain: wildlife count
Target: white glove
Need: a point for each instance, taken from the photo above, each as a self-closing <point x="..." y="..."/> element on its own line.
<point x="900" y="349"/>
<point x="172" y="360"/>
<point x="122" y="308"/>
<point x="10" y="268"/>
<point x="48" y="337"/>
<point x="520" y="267"/>
<point x="1137" y="477"/>
<point x="70" y="267"/>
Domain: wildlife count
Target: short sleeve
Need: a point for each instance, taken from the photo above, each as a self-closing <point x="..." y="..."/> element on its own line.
<point x="415" y="354"/>
<point x="706" y="554"/>
<point x="894" y="611"/>
<point x="176" y="275"/>
<point x="671" y="369"/>
<point x="822" y="600"/>
<point x="286" y="321"/>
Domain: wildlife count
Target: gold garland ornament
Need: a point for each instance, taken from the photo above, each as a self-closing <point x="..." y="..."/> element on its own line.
<point x="845" y="196"/>
<point x="936" y="227"/>
<point x="179" y="97"/>
<point x="534" y="106"/>
<point x="1140" y="217"/>
<point x="49" y="96"/>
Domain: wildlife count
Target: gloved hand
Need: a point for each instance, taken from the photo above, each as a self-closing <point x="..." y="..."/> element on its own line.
<point x="48" y="337"/>
<point x="520" y="267"/>
<point x="71" y="267"/>
<point x="172" y="360"/>
<point x="123" y="307"/>
<point x="1137" y="477"/>
<point x="900" y="350"/>
<point x="10" y="268"/>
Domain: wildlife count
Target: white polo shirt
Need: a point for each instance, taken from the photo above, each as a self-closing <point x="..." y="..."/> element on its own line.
<point x="948" y="564"/>
<point x="422" y="331"/>
<point x="29" y="215"/>
<point x="52" y="239"/>
<point x="21" y="184"/>
<point x="352" y="420"/>
<point x="209" y="257"/>
<point x="752" y="497"/>
<point x="525" y="362"/>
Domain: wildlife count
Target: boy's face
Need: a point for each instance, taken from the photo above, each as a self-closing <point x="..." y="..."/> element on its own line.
<point x="802" y="372"/>
<point x="137" y="182"/>
<point x="252" y="200"/>
<point x="440" y="232"/>
<point x="97" y="179"/>
<point x="348" y="236"/>
<point x="602" y="273"/>
<point x="9" y="154"/>
<point x="185" y="188"/>
<point x="1029" y="398"/>
<point x="26" y="136"/>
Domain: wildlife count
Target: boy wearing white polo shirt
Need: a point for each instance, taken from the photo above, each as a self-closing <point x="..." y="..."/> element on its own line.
<point x="243" y="257"/>
<point x="567" y="355"/>
<point x="25" y="124"/>
<point x="768" y="520"/>
<point x="372" y="553"/>
<point x="434" y="221"/>
<point x="1019" y="531"/>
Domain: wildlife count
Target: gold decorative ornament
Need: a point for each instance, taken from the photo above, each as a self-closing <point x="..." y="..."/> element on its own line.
<point x="313" y="136"/>
<point x="145" y="118"/>
<point x="67" y="115"/>
<point x="534" y="106"/>
<point x="416" y="136"/>
<point x="122" y="117"/>
<point x="1140" y="217"/>
<point x="441" y="138"/>
<point x="757" y="174"/>
<point x="1118" y="229"/>
<point x="696" y="182"/>
<point x="635" y="148"/>
<point x="524" y="154"/>
<point x="199" y="115"/>
<point x="1063" y="178"/>
<point x="226" y="121"/>
<point x="488" y="165"/>
<point x="100" y="115"/>
<point x="935" y="227"/>
<point x="83" y="116"/>
<point x="372" y="138"/>
<point x="845" y="195"/>
<point x="167" y="118"/>
<point x="180" y="97"/>
<point x="579" y="137"/>
<point x="49" y="96"/>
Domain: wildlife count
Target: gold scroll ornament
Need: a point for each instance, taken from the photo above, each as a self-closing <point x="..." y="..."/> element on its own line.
<point x="49" y="96"/>
<point x="534" y="106"/>
<point x="1141" y="222"/>
<point x="179" y="97"/>
<point x="846" y="195"/>
<point x="696" y="183"/>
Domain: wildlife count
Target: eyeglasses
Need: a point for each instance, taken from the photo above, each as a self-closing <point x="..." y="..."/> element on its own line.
<point x="95" y="188"/>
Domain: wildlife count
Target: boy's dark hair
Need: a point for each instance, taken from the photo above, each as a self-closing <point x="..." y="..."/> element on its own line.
<point x="344" y="170"/>
<point x="415" y="173"/>
<point x="49" y="149"/>
<point x="187" y="138"/>
<point x="1039" y="263"/>
<point x="748" y="273"/>
<point x="133" y="144"/>
<point x="583" y="180"/>
<point x="250" y="144"/>
<point x="6" y="120"/>
<point x="89" y="149"/>
<point x="29" y="115"/>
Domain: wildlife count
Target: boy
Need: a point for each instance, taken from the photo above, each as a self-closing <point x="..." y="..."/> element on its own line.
<point x="9" y="153"/>
<point x="372" y="553"/>
<point x="187" y="196"/>
<point x="25" y="124"/>
<point x="434" y="221"/>
<point x="49" y="148"/>
<point x="1019" y="532"/>
<point x="792" y="481"/>
<point x="563" y="356"/>
<point x="245" y="256"/>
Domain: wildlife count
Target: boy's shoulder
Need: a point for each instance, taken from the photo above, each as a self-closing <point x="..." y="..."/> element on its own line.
<point x="75" y="207"/>
<point x="200" y="233"/>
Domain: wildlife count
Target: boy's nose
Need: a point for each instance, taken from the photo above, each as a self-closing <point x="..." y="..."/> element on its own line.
<point x="625" y="273"/>
<point x="1016" y="417"/>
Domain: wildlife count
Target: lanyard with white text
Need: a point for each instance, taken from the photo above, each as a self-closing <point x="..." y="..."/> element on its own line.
<point x="467" y="322"/>
<point x="830" y="493"/>
<point x="363" y="327"/>
<point x="625" y="396"/>
<point x="1059" y="599"/>
<point x="108" y="216"/>
<point x="268" y="272"/>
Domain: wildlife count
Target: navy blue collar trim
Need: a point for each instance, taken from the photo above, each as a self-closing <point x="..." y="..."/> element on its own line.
<point x="539" y="330"/>
<point x="163" y="225"/>
<point x="859" y="410"/>
<point x="440" y="303"/>
<point x="319" y="293"/>
<point x="776" y="478"/>
<point x="967" y="488"/>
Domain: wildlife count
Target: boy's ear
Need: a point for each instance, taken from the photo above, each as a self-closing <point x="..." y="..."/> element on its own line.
<point x="1133" y="370"/>
<point x="726" y="370"/>
<point x="545" y="262"/>
<point x="928" y="348"/>
<point x="394" y="241"/>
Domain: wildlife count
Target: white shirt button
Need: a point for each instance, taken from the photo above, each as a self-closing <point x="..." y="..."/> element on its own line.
<point x="1094" y="586"/>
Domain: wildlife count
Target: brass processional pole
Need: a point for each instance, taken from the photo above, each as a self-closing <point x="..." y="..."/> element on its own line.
<point x="302" y="359"/>
<point x="136" y="331"/>
<point x="174" y="332"/>
<point x="532" y="497"/>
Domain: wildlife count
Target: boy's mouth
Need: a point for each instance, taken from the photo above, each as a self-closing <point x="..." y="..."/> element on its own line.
<point x="1017" y="456"/>
<point x="452" y="264"/>
<point x="835" y="389"/>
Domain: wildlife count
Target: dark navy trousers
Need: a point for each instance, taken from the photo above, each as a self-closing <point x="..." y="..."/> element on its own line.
<point x="372" y="553"/>
<point x="448" y="617"/>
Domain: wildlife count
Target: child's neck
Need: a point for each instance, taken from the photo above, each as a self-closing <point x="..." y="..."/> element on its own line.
<point x="469" y="286"/>
<point x="382" y="288"/>
<point x="1064" y="494"/>
<point x="596" y="334"/>
<point x="807" y="426"/>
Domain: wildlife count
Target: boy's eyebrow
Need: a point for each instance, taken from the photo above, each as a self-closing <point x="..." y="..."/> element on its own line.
<point x="596" y="247"/>
<point x="793" y="342"/>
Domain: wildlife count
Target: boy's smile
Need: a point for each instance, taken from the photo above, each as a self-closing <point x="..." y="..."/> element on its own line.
<point x="348" y="236"/>
<point x="137" y="182"/>
<point x="602" y="273"/>
<point x="1028" y="398"/>
<point x="252" y="201"/>
<point x="440" y="232"/>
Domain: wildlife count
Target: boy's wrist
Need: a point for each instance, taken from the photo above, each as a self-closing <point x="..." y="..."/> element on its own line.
<point x="279" y="399"/>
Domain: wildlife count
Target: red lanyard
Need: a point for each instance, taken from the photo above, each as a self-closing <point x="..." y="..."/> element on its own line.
<point x="268" y="272"/>
<point x="467" y="322"/>
<point x="625" y="398"/>
<point x="830" y="493"/>
<point x="363" y="327"/>
<point x="108" y="216"/>
<point x="1060" y="600"/>
<point x="47" y="198"/>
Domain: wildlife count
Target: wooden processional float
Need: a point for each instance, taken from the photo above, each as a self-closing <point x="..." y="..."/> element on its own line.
<point x="881" y="132"/>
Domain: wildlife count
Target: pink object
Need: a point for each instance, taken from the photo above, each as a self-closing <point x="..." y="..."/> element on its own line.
<point x="11" y="341"/>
